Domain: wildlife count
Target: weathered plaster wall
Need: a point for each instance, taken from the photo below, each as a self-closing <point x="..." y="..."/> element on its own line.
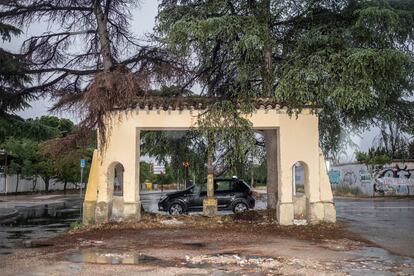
<point x="395" y="179"/>
<point x="297" y="140"/>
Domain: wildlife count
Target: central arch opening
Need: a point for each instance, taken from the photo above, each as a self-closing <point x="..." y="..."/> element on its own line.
<point x="174" y="160"/>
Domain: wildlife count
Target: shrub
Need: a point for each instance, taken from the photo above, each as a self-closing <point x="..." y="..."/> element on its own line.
<point x="75" y="225"/>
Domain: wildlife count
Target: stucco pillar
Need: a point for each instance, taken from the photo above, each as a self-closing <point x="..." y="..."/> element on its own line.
<point x="326" y="191"/>
<point x="270" y="136"/>
<point x="91" y="194"/>
<point x="210" y="203"/>
<point x="285" y="208"/>
<point x="314" y="206"/>
<point x="103" y="209"/>
<point x="132" y="204"/>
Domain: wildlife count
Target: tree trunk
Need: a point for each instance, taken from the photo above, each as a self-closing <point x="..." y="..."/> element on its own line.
<point x="103" y="35"/>
<point x="64" y="187"/>
<point x="270" y="135"/>
<point x="210" y="167"/>
<point x="46" y="180"/>
<point x="17" y="183"/>
<point x="271" y="168"/>
<point x="252" y="176"/>
<point x="34" y="182"/>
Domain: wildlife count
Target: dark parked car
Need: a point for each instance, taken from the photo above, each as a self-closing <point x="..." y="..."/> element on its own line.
<point x="231" y="194"/>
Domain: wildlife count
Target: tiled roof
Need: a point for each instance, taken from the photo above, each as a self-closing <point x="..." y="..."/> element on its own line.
<point x="181" y="103"/>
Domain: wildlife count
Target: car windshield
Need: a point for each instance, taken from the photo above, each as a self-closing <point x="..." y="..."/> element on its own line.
<point x="196" y="189"/>
<point x="199" y="188"/>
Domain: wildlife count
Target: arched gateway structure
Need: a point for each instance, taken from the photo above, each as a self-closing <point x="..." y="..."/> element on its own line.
<point x="297" y="140"/>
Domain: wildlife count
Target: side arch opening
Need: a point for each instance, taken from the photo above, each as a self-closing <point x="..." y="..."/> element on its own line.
<point x="300" y="189"/>
<point x="115" y="180"/>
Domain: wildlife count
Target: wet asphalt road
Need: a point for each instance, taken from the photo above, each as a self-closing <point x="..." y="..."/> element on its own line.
<point x="387" y="222"/>
<point x="38" y="217"/>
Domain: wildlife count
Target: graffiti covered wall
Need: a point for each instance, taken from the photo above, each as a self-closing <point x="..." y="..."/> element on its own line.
<point x="395" y="179"/>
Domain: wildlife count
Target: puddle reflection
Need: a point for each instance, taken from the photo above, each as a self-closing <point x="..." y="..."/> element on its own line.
<point x="114" y="258"/>
<point x="36" y="222"/>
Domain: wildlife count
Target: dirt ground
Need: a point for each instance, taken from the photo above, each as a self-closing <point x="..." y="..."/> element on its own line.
<point x="247" y="244"/>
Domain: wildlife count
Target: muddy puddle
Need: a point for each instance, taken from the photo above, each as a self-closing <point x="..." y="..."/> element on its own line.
<point x="377" y="261"/>
<point x="36" y="222"/>
<point x="95" y="256"/>
<point x="195" y="245"/>
<point x="220" y="263"/>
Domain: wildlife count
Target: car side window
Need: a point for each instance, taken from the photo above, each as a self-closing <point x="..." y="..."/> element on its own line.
<point x="202" y="188"/>
<point x="196" y="189"/>
<point x="238" y="187"/>
<point x="223" y="186"/>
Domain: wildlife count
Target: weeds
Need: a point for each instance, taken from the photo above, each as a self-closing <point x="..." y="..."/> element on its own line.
<point x="345" y="190"/>
<point x="75" y="225"/>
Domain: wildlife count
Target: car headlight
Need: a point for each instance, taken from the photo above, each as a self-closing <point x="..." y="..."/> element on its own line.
<point x="163" y="197"/>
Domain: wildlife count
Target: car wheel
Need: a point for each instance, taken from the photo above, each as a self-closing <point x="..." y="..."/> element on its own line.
<point x="176" y="209"/>
<point x="240" y="207"/>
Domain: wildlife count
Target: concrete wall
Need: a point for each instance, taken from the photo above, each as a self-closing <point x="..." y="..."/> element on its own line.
<point x="26" y="185"/>
<point x="395" y="179"/>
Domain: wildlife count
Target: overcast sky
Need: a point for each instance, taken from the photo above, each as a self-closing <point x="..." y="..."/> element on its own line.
<point x="144" y="20"/>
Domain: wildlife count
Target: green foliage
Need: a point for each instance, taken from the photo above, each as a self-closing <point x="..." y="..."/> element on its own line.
<point x="12" y="76"/>
<point x="259" y="174"/>
<point x="38" y="129"/>
<point x="145" y="173"/>
<point x="352" y="59"/>
<point x="24" y="154"/>
<point x="373" y="157"/>
<point x="167" y="178"/>
<point x="173" y="148"/>
<point x="66" y="167"/>
<point x="6" y="31"/>
<point x="75" y="225"/>
<point x="411" y="150"/>
<point x="230" y="131"/>
<point x="25" y="141"/>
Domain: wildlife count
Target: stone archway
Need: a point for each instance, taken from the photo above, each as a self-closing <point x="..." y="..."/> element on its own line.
<point x="123" y="146"/>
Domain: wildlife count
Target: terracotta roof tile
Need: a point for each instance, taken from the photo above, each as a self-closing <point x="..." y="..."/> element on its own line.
<point x="182" y="103"/>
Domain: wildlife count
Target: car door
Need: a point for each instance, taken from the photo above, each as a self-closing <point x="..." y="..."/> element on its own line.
<point x="223" y="192"/>
<point x="197" y="197"/>
<point x="239" y="189"/>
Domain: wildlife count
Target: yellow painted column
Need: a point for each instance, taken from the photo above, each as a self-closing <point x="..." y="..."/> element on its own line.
<point x="326" y="191"/>
<point x="210" y="203"/>
<point x="91" y="194"/>
<point x="285" y="209"/>
<point x="132" y="204"/>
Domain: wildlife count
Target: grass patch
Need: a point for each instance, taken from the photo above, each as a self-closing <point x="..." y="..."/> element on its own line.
<point x="75" y="225"/>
